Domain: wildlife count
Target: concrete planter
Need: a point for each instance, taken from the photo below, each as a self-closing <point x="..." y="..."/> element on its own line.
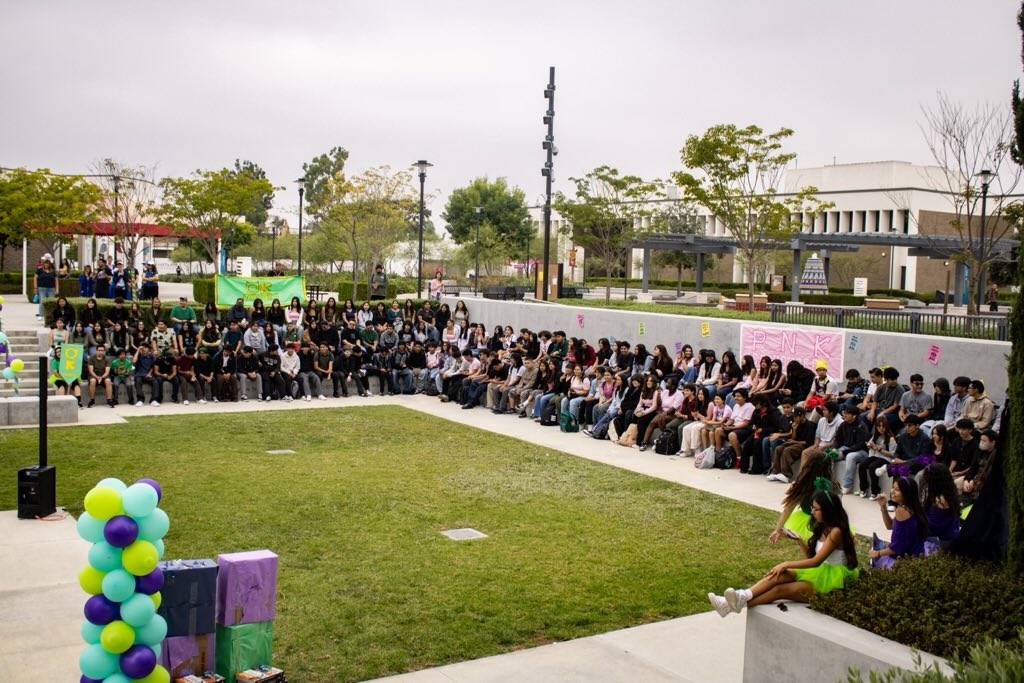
<point x="803" y="645"/>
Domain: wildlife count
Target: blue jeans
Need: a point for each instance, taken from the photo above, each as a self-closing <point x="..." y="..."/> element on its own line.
<point x="853" y="460"/>
<point x="572" y="406"/>
<point x="45" y="293"/>
<point x="767" y="450"/>
<point x="538" y="405"/>
<point x="405" y="375"/>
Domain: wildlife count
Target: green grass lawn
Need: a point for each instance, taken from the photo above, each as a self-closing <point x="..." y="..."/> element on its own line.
<point x="367" y="585"/>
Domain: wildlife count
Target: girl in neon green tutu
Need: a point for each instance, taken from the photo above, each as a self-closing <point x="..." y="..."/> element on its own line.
<point x="795" y="519"/>
<point x="829" y="566"/>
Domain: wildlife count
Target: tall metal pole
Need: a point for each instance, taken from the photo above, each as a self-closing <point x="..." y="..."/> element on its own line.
<point x="44" y="369"/>
<point x="547" y="172"/>
<point x="302" y="192"/>
<point x="419" y="259"/>
<point x="273" y="245"/>
<point x="981" y="250"/>
<point x="476" y="271"/>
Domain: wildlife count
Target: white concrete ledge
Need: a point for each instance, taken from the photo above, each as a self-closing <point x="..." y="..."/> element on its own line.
<point x="24" y="410"/>
<point x="803" y="645"/>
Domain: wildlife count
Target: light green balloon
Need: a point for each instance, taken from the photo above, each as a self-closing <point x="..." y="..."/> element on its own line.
<point x="140" y="557"/>
<point x="95" y="662"/>
<point x="153" y="632"/>
<point x="114" y="483"/>
<point x="103" y="502"/>
<point x="105" y="557"/>
<point x="89" y="528"/>
<point x="117" y="637"/>
<point x="139" y="500"/>
<point x="154" y="526"/>
<point x="91" y="632"/>
<point x="138" y="610"/>
<point x="118" y="585"/>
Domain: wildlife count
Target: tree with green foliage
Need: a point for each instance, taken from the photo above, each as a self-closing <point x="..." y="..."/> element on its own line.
<point x="740" y="172"/>
<point x="606" y="214"/>
<point x="1013" y="424"/>
<point x="503" y="208"/>
<point x="324" y="174"/>
<point x="34" y="204"/>
<point x="257" y="214"/>
<point x="209" y="207"/>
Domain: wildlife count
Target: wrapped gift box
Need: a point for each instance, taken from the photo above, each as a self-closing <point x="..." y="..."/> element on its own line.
<point x="207" y="677"/>
<point x="189" y="597"/>
<point x="184" y="655"/>
<point x="243" y="646"/>
<point x="265" y="674"/>
<point x="246" y="587"/>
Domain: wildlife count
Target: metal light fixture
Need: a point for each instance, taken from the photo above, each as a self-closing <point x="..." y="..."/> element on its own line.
<point x="986" y="177"/>
<point x="302" y="191"/>
<point x="476" y="272"/>
<point x="421" y="167"/>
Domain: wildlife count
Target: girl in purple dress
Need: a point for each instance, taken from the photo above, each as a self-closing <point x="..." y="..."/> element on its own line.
<point x="941" y="502"/>
<point x="909" y="525"/>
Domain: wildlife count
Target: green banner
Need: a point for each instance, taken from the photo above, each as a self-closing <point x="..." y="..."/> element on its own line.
<point x="71" y="357"/>
<point x="231" y="288"/>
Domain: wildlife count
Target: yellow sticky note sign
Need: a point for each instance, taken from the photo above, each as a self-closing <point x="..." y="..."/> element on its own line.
<point x="705" y="329"/>
<point x="641" y="329"/>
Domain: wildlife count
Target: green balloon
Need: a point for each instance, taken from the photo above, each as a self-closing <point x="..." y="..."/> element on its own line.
<point x="159" y="545"/>
<point x="114" y="483"/>
<point x="90" y="528"/>
<point x="91" y="632"/>
<point x="154" y="526"/>
<point x="117" y="637"/>
<point x="153" y="632"/>
<point x="139" y="500"/>
<point x="118" y="585"/>
<point x="95" y="662"/>
<point x="140" y="557"/>
<point x="138" y="610"/>
<point x="105" y="557"/>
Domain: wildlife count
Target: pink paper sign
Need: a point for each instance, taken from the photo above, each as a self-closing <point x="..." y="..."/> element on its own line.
<point x="579" y="319"/>
<point x="679" y="347"/>
<point x="792" y="343"/>
<point x="934" y="354"/>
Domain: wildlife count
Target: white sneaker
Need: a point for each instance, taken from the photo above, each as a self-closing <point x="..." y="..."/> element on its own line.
<point x="737" y="601"/>
<point x="259" y="397"/>
<point x="720" y="605"/>
<point x="138" y="404"/>
<point x="266" y="399"/>
<point x="216" y="400"/>
<point x="847" y="490"/>
<point x="321" y="397"/>
<point x="881" y="471"/>
<point x="244" y="397"/>
<point x="185" y="402"/>
<point x="307" y="398"/>
<point x="202" y="401"/>
<point x="779" y="477"/>
<point x="154" y="403"/>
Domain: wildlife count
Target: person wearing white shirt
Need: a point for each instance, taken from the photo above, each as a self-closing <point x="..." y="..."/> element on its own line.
<point x="737" y="428"/>
<point x="825" y="436"/>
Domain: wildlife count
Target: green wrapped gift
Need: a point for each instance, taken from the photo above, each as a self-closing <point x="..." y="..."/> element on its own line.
<point x="243" y="646"/>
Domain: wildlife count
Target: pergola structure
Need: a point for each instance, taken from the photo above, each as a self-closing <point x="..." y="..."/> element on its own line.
<point x="929" y="246"/>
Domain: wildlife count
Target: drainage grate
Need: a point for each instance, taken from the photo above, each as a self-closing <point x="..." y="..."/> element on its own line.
<point x="463" y="534"/>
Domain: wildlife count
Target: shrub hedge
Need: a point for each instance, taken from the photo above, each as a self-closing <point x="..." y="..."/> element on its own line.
<point x="991" y="660"/>
<point x="345" y="291"/>
<point x="203" y="290"/>
<point x="941" y="604"/>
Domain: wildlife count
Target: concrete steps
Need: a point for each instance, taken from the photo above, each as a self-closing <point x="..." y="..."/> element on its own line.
<point x="24" y="344"/>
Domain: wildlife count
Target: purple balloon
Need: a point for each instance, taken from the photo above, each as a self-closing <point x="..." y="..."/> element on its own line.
<point x="86" y="679"/>
<point x="138" y="661"/>
<point x="150" y="583"/>
<point x="154" y="484"/>
<point x="101" y="611"/>
<point x="121" y="531"/>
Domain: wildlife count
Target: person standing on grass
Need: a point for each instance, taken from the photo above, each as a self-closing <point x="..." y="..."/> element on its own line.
<point x="830" y="562"/>
<point x="99" y="374"/>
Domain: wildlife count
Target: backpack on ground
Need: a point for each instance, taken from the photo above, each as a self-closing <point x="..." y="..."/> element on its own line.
<point x="628" y="437"/>
<point x="600" y="430"/>
<point x="705" y="459"/>
<point x="725" y="458"/>
<point x="431" y="389"/>
<point x="567" y="423"/>
<point x="549" y="416"/>
<point x="667" y="442"/>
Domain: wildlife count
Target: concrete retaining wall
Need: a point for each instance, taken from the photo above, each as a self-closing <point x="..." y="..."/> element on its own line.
<point x="803" y="645"/>
<point x="977" y="359"/>
<point x="24" y="410"/>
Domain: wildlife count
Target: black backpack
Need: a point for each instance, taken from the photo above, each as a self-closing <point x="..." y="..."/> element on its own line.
<point x="725" y="457"/>
<point x="667" y="442"/>
<point x="600" y="430"/>
<point x="549" y="416"/>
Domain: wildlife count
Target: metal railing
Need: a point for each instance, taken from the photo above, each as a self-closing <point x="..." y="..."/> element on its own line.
<point x="905" y="322"/>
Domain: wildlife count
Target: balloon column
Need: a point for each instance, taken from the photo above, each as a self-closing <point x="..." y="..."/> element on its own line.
<point x="12" y="365"/>
<point x="121" y="627"/>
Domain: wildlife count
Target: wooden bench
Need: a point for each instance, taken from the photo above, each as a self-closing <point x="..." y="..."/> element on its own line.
<point x="743" y="302"/>
<point x="313" y="292"/>
<point x="882" y="304"/>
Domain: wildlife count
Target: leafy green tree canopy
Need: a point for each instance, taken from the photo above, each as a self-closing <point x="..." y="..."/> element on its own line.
<point x="502" y="207"/>
<point x="34" y="203"/>
<point x="323" y="175"/>
<point x="256" y="214"/>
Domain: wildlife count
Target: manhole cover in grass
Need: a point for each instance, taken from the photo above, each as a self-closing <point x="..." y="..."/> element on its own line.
<point x="463" y="534"/>
<point x="282" y="451"/>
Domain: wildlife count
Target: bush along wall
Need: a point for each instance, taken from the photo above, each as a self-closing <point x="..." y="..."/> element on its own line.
<point x="203" y="290"/>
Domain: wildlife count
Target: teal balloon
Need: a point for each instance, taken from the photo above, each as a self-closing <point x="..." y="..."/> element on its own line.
<point x="9" y="373"/>
<point x="95" y="662"/>
<point x="153" y="632"/>
<point x="117" y="677"/>
<point x="159" y="545"/>
<point x="139" y="500"/>
<point x="138" y="610"/>
<point x="91" y="632"/>
<point x="105" y="557"/>
<point x="156" y="651"/>
<point x="154" y="526"/>
<point x="90" y="528"/>
<point x="118" y="586"/>
<point x="114" y="483"/>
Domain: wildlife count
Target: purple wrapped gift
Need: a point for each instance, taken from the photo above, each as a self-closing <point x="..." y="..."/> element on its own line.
<point x="246" y="587"/>
<point x="184" y="655"/>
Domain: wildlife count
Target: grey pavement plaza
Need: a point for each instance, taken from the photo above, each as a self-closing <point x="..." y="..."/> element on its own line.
<point x="41" y="602"/>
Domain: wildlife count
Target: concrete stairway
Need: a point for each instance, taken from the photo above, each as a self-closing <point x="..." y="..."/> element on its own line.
<point x="24" y="344"/>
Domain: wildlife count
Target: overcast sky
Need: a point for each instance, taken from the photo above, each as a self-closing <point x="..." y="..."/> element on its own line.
<point x="189" y="85"/>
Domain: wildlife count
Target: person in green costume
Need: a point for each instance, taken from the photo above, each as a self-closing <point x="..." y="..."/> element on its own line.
<point x="795" y="518"/>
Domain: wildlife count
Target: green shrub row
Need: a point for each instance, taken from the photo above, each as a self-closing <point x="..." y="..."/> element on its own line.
<point x="345" y="291"/>
<point x="203" y="290"/>
<point x="940" y="604"/>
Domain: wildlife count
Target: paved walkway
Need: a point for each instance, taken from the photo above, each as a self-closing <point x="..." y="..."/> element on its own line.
<point x="40" y="601"/>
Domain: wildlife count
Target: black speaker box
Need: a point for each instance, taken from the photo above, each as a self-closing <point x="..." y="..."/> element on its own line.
<point x="37" y="491"/>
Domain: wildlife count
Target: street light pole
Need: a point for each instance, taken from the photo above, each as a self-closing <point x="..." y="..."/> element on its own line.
<point x="547" y="171"/>
<point x="273" y="243"/>
<point x="986" y="176"/>
<point x="476" y="271"/>
<point x="302" y="192"/>
<point x="422" y="167"/>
